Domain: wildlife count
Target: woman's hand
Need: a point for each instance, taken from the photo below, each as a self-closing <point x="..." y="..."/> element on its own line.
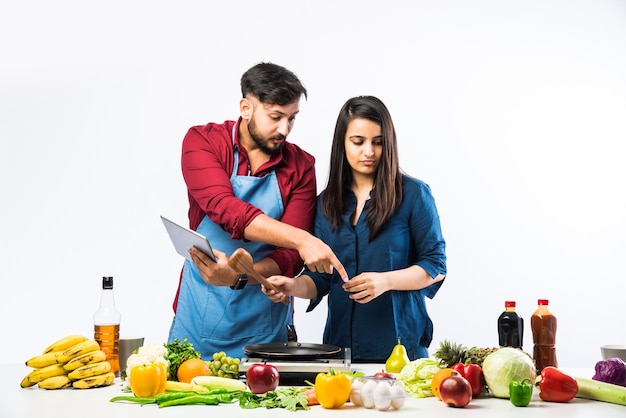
<point x="366" y="286"/>
<point x="285" y="286"/>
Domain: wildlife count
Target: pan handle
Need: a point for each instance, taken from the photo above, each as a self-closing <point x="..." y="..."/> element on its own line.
<point x="292" y="336"/>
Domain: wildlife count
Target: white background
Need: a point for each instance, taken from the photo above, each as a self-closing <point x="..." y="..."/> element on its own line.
<point x="512" y="111"/>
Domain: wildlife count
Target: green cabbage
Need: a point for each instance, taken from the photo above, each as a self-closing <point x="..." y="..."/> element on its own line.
<point x="503" y="366"/>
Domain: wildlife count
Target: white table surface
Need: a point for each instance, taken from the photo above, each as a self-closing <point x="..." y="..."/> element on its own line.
<point x="17" y="402"/>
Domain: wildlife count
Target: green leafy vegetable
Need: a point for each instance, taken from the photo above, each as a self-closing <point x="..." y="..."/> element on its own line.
<point x="353" y="374"/>
<point x="291" y="399"/>
<point x="177" y="352"/>
<point x="417" y="376"/>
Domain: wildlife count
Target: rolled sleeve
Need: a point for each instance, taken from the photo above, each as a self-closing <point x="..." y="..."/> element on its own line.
<point x="322" y="284"/>
<point x="427" y="236"/>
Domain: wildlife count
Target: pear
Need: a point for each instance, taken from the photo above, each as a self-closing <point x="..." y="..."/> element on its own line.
<point x="397" y="359"/>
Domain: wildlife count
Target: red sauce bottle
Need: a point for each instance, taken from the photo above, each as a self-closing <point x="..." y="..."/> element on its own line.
<point x="543" y="325"/>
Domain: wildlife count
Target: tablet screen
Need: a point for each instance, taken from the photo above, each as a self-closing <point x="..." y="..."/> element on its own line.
<point x="184" y="238"/>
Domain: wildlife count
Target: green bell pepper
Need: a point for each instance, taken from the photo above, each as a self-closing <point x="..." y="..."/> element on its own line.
<point x="520" y="392"/>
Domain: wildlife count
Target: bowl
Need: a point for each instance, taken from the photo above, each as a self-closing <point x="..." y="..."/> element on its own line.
<point x="613" y="350"/>
<point x="379" y="393"/>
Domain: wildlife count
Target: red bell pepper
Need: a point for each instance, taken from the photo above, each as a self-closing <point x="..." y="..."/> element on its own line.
<point x="556" y="386"/>
<point x="474" y="374"/>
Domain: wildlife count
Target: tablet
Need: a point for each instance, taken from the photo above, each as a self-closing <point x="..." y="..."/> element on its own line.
<point x="184" y="238"/>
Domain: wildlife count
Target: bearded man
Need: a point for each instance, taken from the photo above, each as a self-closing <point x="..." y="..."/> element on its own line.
<point x="250" y="188"/>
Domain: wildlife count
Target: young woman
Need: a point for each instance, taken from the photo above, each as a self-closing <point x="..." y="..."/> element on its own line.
<point x="384" y="227"/>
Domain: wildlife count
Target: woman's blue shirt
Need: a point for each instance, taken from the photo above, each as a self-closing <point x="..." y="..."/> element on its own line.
<point x="411" y="237"/>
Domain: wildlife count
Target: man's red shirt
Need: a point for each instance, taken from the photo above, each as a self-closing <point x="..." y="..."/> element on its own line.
<point x="207" y="164"/>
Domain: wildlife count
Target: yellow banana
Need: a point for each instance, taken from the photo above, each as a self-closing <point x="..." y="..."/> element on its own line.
<point x="81" y="360"/>
<point x="56" y="382"/>
<point x="90" y="370"/>
<point x="106" y="379"/>
<point x="43" y="360"/>
<point x="26" y="383"/>
<point x="77" y="349"/>
<point x="43" y="373"/>
<point x="65" y="343"/>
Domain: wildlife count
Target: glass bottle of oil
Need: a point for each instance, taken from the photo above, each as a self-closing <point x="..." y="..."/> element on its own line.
<point x="106" y="322"/>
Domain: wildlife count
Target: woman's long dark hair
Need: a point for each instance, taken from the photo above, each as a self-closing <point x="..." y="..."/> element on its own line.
<point x="387" y="192"/>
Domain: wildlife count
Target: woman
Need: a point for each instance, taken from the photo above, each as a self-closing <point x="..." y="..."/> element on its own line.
<point x="384" y="227"/>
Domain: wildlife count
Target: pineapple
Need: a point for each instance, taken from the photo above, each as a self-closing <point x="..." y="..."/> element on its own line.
<point x="450" y="353"/>
<point x="478" y="354"/>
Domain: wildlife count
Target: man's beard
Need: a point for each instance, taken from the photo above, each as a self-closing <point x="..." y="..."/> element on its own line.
<point x="265" y="145"/>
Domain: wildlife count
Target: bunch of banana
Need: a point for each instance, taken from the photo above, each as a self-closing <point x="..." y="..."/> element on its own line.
<point x="73" y="361"/>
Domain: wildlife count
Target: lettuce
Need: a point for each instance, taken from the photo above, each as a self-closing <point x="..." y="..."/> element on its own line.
<point x="417" y="376"/>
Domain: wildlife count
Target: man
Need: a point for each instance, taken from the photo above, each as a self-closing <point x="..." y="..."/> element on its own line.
<point x="248" y="187"/>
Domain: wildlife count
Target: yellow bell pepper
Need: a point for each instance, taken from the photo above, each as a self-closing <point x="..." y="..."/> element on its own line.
<point x="332" y="389"/>
<point x="148" y="380"/>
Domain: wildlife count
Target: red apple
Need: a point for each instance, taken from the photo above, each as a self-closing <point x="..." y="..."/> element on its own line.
<point x="262" y="378"/>
<point x="455" y="391"/>
<point x="384" y="374"/>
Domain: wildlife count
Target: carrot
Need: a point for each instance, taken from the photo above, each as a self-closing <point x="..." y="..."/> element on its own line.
<point x="311" y="397"/>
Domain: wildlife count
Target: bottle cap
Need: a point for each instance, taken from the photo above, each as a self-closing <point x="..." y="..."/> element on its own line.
<point x="107" y="282"/>
<point x="542" y="302"/>
<point x="509" y="304"/>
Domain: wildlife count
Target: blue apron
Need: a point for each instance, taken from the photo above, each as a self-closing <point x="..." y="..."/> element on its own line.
<point x="217" y="318"/>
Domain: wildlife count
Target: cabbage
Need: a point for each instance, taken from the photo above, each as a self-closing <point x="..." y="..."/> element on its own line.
<point x="611" y="370"/>
<point x="503" y="366"/>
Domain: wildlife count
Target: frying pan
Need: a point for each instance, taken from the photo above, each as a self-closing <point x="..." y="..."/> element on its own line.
<point x="292" y="350"/>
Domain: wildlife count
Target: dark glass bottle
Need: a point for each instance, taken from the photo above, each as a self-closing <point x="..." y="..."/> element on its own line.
<point x="510" y="327"/>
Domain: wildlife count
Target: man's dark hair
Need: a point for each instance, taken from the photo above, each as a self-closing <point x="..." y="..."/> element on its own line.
<point x="272" y="84"/>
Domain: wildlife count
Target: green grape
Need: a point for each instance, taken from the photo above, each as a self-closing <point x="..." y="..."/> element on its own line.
<point x="224" y="366"/>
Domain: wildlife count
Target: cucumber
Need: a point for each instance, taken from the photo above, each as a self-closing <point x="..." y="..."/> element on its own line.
<point x="217" y="382"/>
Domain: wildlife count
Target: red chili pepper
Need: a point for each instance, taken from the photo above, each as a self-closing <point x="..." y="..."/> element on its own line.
<point x="474" y="374"/>
<point x="556" y="386"/>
